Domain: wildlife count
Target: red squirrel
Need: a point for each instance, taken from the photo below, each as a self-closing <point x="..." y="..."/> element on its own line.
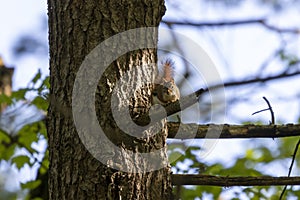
<point x="165" y="90"/>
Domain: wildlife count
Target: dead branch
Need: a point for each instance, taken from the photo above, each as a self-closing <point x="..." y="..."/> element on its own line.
<point x="214" y="131"/>
<point x="196" y="179"/>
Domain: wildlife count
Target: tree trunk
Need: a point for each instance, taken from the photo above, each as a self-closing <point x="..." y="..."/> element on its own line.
<point x="5" y="82"/>
<point x="83" y="163"/>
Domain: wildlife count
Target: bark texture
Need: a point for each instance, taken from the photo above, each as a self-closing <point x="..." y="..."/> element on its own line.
<point x="197" y="179"/>
<point x="75" y="28"/>
<point x="217" y="131"/>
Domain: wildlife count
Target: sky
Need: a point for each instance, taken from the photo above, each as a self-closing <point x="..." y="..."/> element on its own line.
<point x="238" y="52"/>
<point x="18" y="18"/>
<point x="246" y="47"/>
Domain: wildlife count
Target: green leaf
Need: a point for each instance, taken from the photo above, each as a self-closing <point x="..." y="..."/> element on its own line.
<point x="31" y="184"/>
<point x="214" y="169"/>
<point x="43" y="89"/>
<point x="7" y="148"/>
<point x="174" y="156"/>
<point x="29" y="134"/>
<point x="20" y="161"/>
<point x="19" y="94"/>
<point x="4" y="137"/>
<point x="46" y="82"/>
<point x="42" y="129"/>
<point x="40" y="103"/>
<point x="4" y="99"/>
<point x="36" y="77"/>
<point x="6" y="152"/>
<point x="37" y="198"/>
<point x="45" y="163"/>
<point x="293" y="61"/>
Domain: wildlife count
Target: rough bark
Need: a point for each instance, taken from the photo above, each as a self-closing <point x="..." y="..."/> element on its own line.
<point x="76" y="28"/>
<point x="196" y="179"/>
<point x="227" y="131"/>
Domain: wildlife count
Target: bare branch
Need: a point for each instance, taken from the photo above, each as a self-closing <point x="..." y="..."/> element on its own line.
<point x="214" y="24"/>
<point x="291" y="167"/>
<point x="196" y="179"/>
<point x="191" y="99"/>
<point x="226" y="131"/>
<point x="260" y="21"/>
<point x="280" y="30"/>
<point x="258" y="80"/>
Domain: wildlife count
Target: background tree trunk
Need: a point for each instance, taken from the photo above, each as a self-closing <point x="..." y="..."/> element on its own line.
<point x="5" y="81"/>
<point x="75" y="29"/>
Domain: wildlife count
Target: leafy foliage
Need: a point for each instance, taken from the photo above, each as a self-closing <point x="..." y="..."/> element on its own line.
<point x="22" y="125"/>
<point x="254" y="162"/>
<point x="20" y="161"/>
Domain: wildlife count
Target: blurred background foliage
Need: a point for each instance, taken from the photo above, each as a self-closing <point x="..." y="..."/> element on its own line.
<point x="23" y="134"/>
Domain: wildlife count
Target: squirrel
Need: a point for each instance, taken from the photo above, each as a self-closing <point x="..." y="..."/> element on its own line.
<point x="165" y="90"/>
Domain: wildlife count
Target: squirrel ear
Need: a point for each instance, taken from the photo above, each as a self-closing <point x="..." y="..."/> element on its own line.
<point x="168" y="69"/>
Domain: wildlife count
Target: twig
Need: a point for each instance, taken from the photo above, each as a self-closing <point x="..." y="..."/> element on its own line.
<point x="261" y="21"/>
<point x="271" y="111"/>
<point x="260" y="111"/>
<point x="280" y="30"/>
<point x="290" y="169"/>
<point x="257" y="80"/>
